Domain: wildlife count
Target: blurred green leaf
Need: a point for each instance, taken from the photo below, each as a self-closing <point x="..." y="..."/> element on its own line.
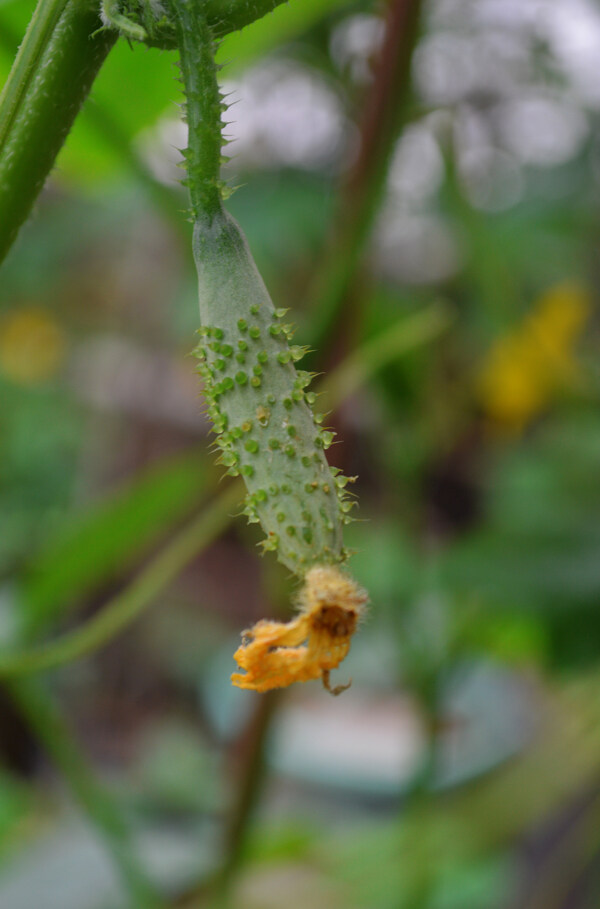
<point x="538" y="547"/>
<point x="137" y="86"/>
<point x="94" y="548"/>
<point x="287" y="841"/>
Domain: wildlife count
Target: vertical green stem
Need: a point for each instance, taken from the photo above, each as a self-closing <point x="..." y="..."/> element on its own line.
<point x="50" y="79"/>
<point x="46" y="722"/>
<point x="203" y="106"/>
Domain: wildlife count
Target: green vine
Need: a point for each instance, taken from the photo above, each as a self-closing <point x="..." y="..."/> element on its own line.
<point x="57" y="63"/>
<point x="42" y="24"/>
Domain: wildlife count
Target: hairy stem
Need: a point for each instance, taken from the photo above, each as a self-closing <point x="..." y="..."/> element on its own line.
<point x="51" y="77"/>
<point x="203" y="105"/>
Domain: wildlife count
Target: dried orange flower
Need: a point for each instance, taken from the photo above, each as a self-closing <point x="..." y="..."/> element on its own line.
<point x="275" y="654"/>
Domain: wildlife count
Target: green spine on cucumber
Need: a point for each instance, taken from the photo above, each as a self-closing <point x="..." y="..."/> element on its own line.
<point x="257" y="400"/>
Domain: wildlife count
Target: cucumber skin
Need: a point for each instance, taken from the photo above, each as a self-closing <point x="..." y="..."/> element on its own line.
<point x="258" y="404"/>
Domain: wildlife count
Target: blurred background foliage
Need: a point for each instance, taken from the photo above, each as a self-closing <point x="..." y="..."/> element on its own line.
<point x="461" y="769"/>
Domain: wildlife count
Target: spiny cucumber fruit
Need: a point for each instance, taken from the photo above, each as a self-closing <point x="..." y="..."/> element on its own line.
<point x="260" y="406"/>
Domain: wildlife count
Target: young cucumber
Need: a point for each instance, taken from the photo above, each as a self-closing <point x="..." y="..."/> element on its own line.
<point x="259" y="404"/>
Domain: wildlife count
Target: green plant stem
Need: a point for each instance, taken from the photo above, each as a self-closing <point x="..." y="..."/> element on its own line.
<point x="127" y="606"/>
<point x="40" y="28"/>
<point x="44" y="718"/>
<point x="384" y="111"/>
<point x="121" y="611"/>
<point x="166" y="201"/>
<point x="50" y="79"/>
<point x="203" y="105"/>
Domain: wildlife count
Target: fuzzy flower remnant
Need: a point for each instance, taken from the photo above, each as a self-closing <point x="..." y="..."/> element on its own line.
<point x="276" y="654"/>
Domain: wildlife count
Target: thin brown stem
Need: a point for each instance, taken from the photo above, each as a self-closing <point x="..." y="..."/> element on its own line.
<point x="383" y="113"/>
<point x="249" y="784"/>
<point x="251" y="775"/>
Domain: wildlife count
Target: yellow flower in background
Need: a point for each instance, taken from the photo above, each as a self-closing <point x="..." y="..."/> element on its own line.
<point x="32" y="346"/>
<point x="524" y="369"/>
